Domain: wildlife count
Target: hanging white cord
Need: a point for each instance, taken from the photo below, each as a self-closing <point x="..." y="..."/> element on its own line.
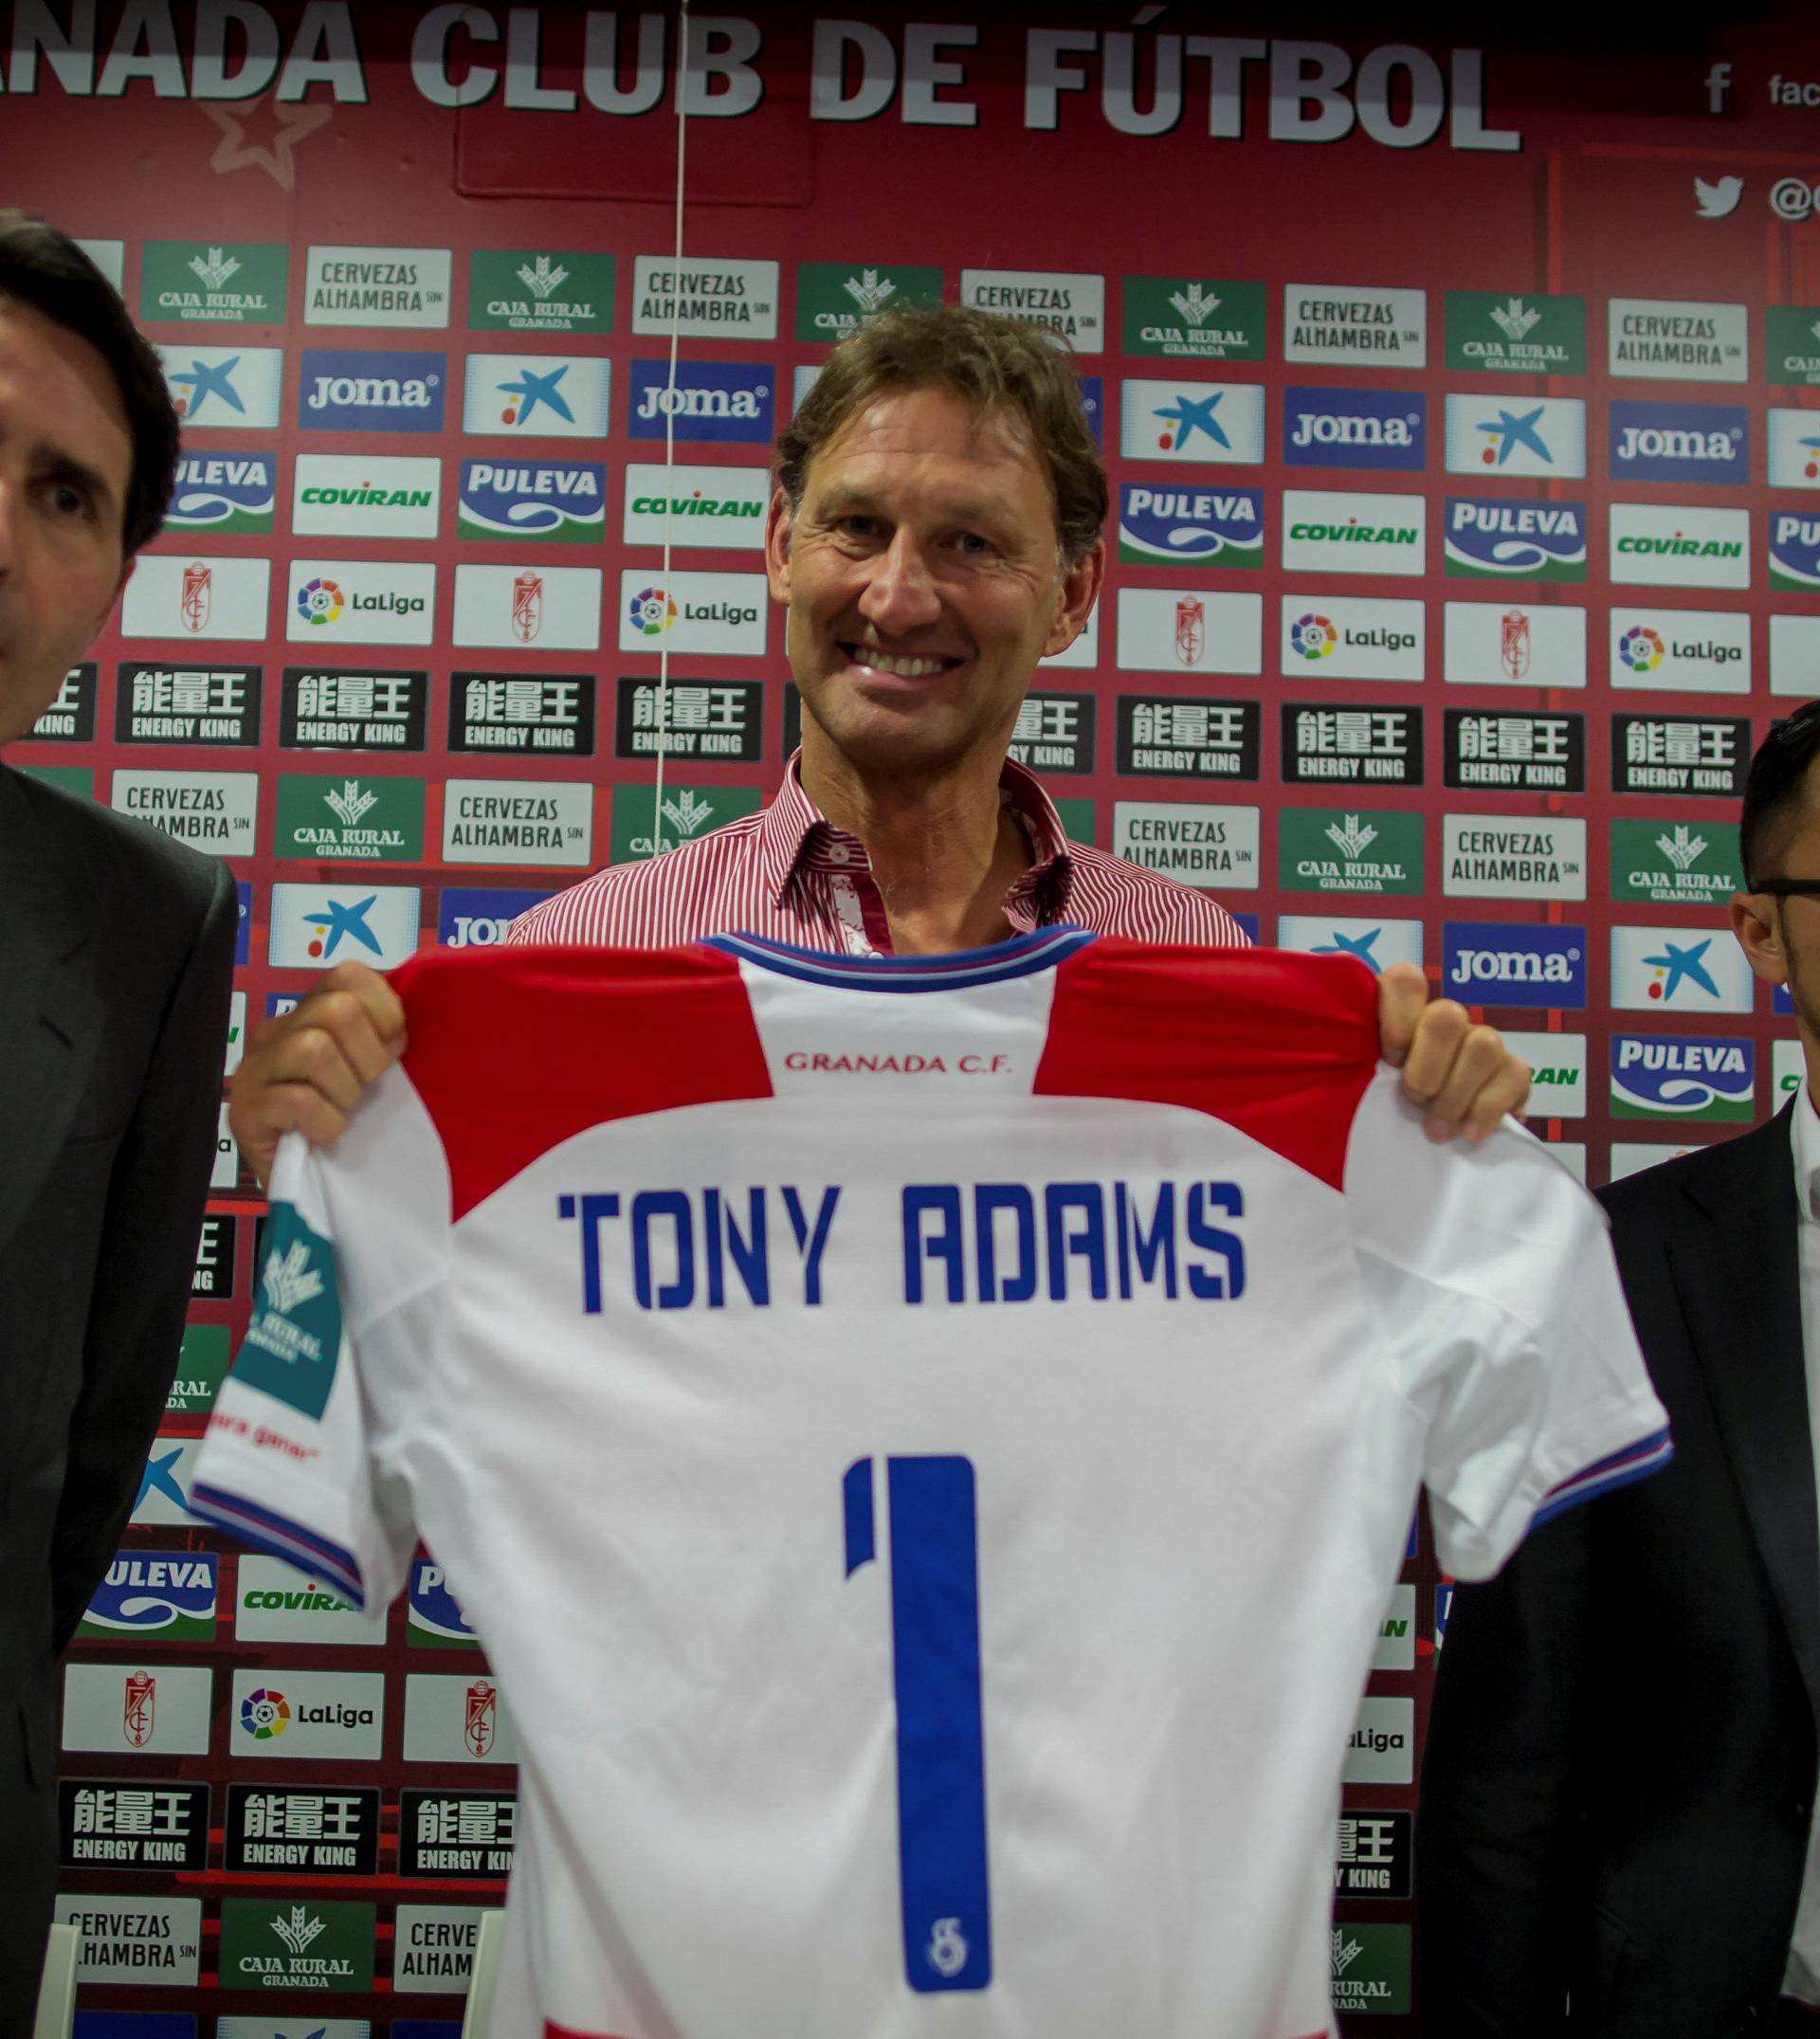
<point x="669" y="428"/>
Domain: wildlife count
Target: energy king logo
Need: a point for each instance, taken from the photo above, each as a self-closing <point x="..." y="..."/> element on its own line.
<point x="1323" y="532"/>
<point x="1381" y="428"/>
<point x="199" y="283"/>
<point x="370" y="389"/>
<point x="1194" y="319"/>
<point x="1326" y="849"/>
<point x="1191" y="527"/>
<point x="1519" y="334"/>
<point x="232" y="492"/>
<point x="1676" y="340"/>
<point x="536" y="396"/>
<point x="167" y="1595"/>
<point x="1794" y="448"/>
<point x="1680" y="443"/>
<point x="230" y="388"/>
<point x="1192" y="421"/>
<point x="1342" y="322"/>
<point x="835" y="299"/>
<point x="533" y="290"/>
<point x="1675" y="862"/>
<point x="562" y="500"/>
<point x="1542" y="435"/>
<point x="1666" y="545"/>
<point x="1795" y="550"/>
<point x="1792" y="344"/>
<point x="1677" y="1076"/>
<point x="293" y="1340"/>
<point x="1490" y="538"/>
<point x="709" y="403"/>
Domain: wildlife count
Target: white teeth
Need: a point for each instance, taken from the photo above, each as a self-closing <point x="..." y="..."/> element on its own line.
<point x="901" y="668"/>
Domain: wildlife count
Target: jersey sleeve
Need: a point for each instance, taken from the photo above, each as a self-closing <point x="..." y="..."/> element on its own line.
<point x="1490" y="1275"/>
<point x="300" y="1459"/>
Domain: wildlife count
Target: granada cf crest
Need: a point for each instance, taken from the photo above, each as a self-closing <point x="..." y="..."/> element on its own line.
<point x="527" y="605"/>
<point x="1513" y="648"/>
<point x="194" y="607"/>
<point x="482" y="1722"/>
<point x="139" y="1708"/>
<point x="1190" y="629"/>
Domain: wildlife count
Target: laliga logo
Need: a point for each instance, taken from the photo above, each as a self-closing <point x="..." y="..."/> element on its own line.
<point x="652" y="612"/>
<point x="265" y="1715"/>
<point x="1313" y="637"/>
<point x="318" y="602"/>
<point x="1641" y="649"/>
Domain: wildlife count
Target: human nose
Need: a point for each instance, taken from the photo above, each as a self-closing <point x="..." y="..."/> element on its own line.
<point x="900" y="593"/>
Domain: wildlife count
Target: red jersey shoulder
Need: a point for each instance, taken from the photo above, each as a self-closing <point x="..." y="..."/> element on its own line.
<point x="1279" y="1045"/>
<point x="515" y="1050"/>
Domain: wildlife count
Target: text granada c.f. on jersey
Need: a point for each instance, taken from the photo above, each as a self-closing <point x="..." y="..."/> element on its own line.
<point x="926" y="1446"/>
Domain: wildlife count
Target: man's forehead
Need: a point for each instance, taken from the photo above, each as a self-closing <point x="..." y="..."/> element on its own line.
<point x="930" y="419"/>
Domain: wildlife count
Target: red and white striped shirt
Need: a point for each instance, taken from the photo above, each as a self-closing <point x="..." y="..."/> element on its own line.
<point x="788" y="874"/>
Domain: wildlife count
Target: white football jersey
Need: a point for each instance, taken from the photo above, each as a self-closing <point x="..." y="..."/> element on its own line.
<point x="926" y="1444"/>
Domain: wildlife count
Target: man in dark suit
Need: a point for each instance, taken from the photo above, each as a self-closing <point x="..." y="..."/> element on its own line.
<point x="116" y="957"/>
<point x="1617" y="1836"/>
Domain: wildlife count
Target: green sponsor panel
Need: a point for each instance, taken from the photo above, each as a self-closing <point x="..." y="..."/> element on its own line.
<point x="835" y="299"/>
<point x="1676" y="862"/>
<point x="201" y="1367"/>
<point x="1701" y="1099"/>
<point x="536" y="291"/>
<point x="294" y="1341"/>
<point x="1793" y="583"/>
<point x="1370" y="1969"/>
<point x="362" y="820"/>
<point x="1516" y="333"/>
<point x="1330" y="850"/>
<point x="214" y="283"/>
<point x="1079" y="819"/>
<point x="689" y="813"/>
<point x="1792" y="344"/>
<point x="78" y="779"/>
<point x="286" y="1945"/>
<point x="1463" y="568"/>
<point x="1194" y="319"/>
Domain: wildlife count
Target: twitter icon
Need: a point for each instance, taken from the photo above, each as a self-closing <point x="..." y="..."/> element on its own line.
<point x="1714" y="201"/>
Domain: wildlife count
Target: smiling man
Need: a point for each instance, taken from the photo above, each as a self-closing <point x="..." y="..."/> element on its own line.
<point x="937" y="531"/>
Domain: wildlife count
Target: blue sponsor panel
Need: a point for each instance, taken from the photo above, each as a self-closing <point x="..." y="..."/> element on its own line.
<point x="1093" y="402"/>
<point x="279" y="1003"/>
<point x="370" y="389"/>
<point x="1383" y="428"/>
<point x="1493" y="539"/>
<point x="138" y="2025"/>
<point x="1780" y="1003"/>
<point x="224" y="492"/>
<point x="1680" y="443"/>
<point x="477" y="916"/>
<point x="1795" y="550"/>
<point x="547" y="499"/>
<point x="1164" y="526"/>
<point x="1250" y="922"/>
<point x="1443" y="1608"/>
<point x="1508" y="963"/>
<point x="713" y="403"/>
<point x="426" y="2029"/>
<point x="244" y="924"/>
<point x="155" y="1593"/>
<point x="1682" y="1076"/>
<point x="435" y="1614"/>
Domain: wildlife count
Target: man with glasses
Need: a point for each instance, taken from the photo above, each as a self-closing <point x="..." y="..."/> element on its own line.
<point x="1616" y="1836"/>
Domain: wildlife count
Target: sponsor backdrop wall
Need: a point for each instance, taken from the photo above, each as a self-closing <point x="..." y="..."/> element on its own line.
<point x="1460" y="408"/>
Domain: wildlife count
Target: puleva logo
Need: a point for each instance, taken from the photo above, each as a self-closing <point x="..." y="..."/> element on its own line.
<point x="1488" y="538"/>
<point x="1673" y="1076"/>
<point x="166" y="1593"/>
<point x="1680" y="443"/>
<point x="1381" y="428"/>
<point x="370" y="389"/>
<point x="538" y="395"/>
<point x="711" y="403"/>
<point x="1795" y="550"/>
<point x="1194" y="422"/>
<point x="477" y="917"/>
<point x="1191" y="526"/>
<point x="1500" y="963"/>
<point x="234" y="389"/>
<point x="264" y="1714"/>
<point x="224" y="492"/>
<point x="436" y="1617"/>
<point x="1544" y="435"/>
<point x="561" y="500"/>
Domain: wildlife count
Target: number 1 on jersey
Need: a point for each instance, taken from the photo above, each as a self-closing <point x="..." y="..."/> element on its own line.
<point x="941" y="1746"/>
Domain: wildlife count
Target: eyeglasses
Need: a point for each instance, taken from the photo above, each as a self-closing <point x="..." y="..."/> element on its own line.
<point x="1787" y="888"/>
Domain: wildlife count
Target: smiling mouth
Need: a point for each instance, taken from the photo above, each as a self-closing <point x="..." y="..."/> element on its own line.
<point x="901" y="668"/>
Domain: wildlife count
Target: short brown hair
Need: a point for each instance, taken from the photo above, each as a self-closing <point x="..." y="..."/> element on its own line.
<point x="44" y="269"/>
<point x="997" y="364"/>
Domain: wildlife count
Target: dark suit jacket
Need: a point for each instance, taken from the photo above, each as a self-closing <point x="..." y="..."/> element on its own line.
<point x="1622" y="1752"/>
<point x="116" y="952"/>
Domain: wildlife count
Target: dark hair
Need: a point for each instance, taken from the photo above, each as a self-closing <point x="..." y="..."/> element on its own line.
<point x="45" y="269"/>
<point x="1775" y="791"/>
<point x="996" y="364"/>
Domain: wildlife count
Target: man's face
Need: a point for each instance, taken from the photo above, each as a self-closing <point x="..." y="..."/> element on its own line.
<point x="66" y="459"/>
<point x="921" y="581"/>
<point x="1781" y="937"/>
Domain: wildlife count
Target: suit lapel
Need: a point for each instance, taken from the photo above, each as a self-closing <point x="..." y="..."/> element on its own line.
<point x="1739" y="1282"/>
<point x="50" y="1019"/>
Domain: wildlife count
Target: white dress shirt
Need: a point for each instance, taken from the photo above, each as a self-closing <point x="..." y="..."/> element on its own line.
<point x="1802" y="1978"/>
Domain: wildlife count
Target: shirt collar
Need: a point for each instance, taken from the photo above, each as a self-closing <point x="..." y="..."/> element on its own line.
<point x="1805" y="1142"/>
<point x="795" y="836"/>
